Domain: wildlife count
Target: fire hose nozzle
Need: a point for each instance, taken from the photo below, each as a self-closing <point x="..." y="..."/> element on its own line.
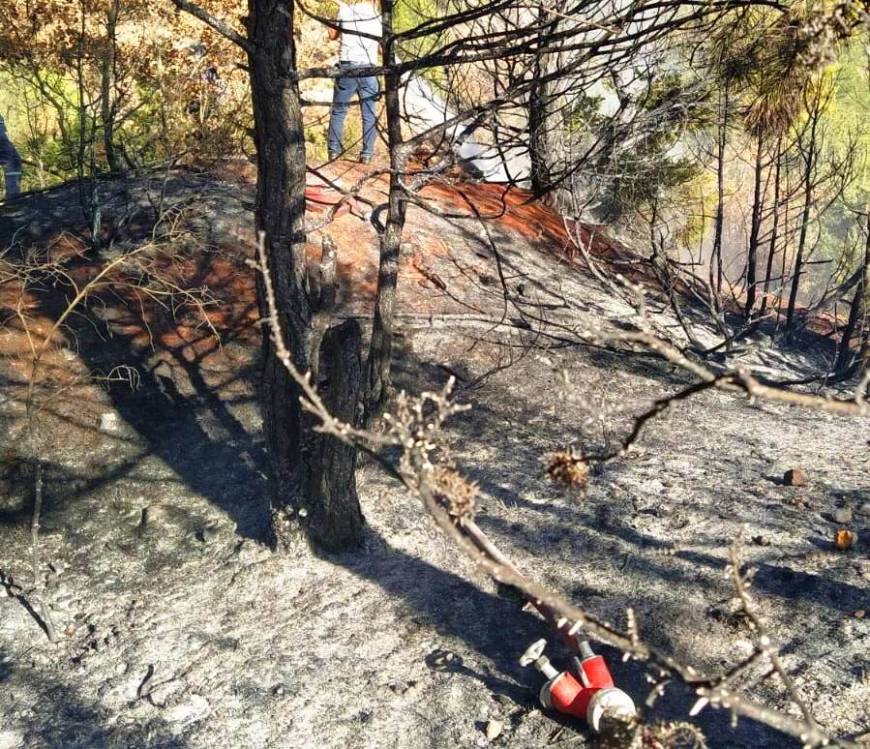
<point x="592" y="698"/>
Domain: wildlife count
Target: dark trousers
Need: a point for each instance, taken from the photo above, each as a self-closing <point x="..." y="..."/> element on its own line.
<point x="11" y="163"/>
<point x="346" y="87"/>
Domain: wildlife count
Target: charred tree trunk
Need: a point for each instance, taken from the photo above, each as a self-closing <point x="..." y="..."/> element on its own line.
<point x="381" y="348"/>
<point x="771" y="248"/>
<point x="857" y="312"/>
<point x="108" y="101"/>
<point x="754" y="232"/>
<point x="720" y="192"/>
<point x="809" y="168"/>
<point x="335" y="520"/>
<point x="539" y="138"/>
<point x="299" y="458"/>
<point x="786" y="238"/>
<point x="540" y="116"/>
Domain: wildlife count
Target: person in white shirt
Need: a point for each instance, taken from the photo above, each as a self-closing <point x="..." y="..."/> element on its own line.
<point x="360" y="23"/>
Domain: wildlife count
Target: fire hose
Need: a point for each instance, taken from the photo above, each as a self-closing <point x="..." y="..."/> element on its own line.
<point x="590" y="694"/>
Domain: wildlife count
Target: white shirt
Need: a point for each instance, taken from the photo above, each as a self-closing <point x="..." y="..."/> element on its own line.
<point x="355" y="19"/>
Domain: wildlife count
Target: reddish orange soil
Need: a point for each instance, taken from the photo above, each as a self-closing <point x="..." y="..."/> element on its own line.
<point x="434" y="276"/>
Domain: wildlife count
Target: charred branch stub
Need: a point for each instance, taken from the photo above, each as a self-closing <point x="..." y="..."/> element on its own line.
<point x="335" y="521"/>
<point x="322" y="291"/>
<point x="325" y="505"/>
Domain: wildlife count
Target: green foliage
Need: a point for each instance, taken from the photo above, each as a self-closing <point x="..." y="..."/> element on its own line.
<point x="408" y="15"/>
<point x="647" y="159"/>
<point x="847" y="138"/>
<point x="584" y="113"/>
<point x="643" y="176"/>
<point x="698" y="190"/>
<point x="847" y="116"/>
<point x="35" y="129"/>
<point x="195" y="122"/>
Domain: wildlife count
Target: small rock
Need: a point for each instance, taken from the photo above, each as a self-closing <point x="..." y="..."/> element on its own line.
<point x="865" y="509"/>
<point x="795" y="477"/>
<point x="860" y="614"/>
<point x="493" y="729"/>
<point x="843" y="515"/>
<point x="149" y="517"/>
<point x="800" y="501"/>
<point x="159" y="520"/>
<point x="760" y="540"/>
<point x="109" y="423"/>
<point x="845" y="539"/>
<point x="187" y="712"/>
<point x="161" y="693"/>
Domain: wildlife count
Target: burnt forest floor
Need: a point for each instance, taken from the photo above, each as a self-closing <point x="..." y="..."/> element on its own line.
<point x="177" y="627"/>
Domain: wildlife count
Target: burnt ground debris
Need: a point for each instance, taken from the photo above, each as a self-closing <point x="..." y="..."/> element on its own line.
<point x="155" y="572"/>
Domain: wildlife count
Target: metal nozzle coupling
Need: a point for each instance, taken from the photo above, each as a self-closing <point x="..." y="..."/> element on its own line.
<point x="534" y="655"/>
<point x="584" y="647"/>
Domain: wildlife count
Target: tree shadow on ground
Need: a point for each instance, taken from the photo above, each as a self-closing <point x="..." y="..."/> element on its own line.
<point x="524" y="467"/>
<point x="169" y="423"/>
<point x="56" y="715"/>
<point x="193" y="428"/>
<point x="495" y="628"/>
<point x="518" y="254"/>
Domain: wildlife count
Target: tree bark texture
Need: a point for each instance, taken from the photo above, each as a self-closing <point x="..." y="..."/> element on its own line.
<point x="298" y="457"/>
<point x="335" y="521"/>
<point x="857" y="314"/>
<point x="381" y="347"/>
<point x="754" y="232"/>
<point x="809" y="168"/>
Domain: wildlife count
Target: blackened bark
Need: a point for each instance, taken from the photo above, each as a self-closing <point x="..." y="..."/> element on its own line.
<point x="539" y="139"/>
<point x="722" y="139"/>
<point x="786" y="234"/>
<point x="322" y="283"/>
<point x="540" y="119"/>
<point x="754" y="232"/>
<point x="298" y="457"/>
<point x="381" y="348"/>
<point x="335" y="521"/>
<point x="108" y="101"/>
<point x="809" y="168"/>
<point x="774" y="231"/>
<point x="857" y="312"/>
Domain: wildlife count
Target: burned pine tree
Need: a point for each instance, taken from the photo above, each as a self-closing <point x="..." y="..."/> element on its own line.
<point x="313" y="483"/>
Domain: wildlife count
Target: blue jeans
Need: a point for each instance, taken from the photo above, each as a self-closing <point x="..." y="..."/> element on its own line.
<point x="11" y="163"/>
<point x="366" y="88"/>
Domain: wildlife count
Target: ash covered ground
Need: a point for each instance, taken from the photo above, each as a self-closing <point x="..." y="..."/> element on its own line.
<point x="177" y="627"/>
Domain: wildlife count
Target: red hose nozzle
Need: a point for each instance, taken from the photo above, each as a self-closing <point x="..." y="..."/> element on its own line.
<point x="592" y="699"/>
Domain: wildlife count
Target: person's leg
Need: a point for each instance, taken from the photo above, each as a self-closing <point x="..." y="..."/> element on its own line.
<point x="11" y="163"/>
<point x="343" y="92"/>
<point x="368" y="97"/>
